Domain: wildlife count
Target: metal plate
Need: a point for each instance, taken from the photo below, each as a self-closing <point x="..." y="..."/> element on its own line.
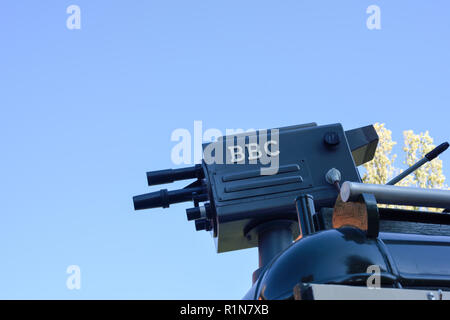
<point x="339" y="292"/>
<point x="250" y="183"/>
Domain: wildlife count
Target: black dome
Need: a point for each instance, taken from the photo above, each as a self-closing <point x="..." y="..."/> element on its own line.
<point x="332" y="256"/>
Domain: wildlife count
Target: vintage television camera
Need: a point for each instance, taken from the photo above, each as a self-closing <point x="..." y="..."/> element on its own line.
<point x="296" y="194"/>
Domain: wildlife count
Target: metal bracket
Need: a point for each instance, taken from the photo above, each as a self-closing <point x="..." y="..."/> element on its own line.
<point x="361" y="213"/>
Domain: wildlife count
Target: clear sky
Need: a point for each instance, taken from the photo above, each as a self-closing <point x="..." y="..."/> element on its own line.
<point x="84" y="113"/>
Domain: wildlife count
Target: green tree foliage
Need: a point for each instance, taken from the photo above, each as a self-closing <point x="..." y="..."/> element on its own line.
<point x="382" y="168"/>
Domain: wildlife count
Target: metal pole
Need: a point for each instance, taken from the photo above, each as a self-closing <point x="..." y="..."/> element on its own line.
<point x="428" y="157"/>
<point x="305" y="210"/>
<point x="405" y="173"/>
<point x="387" y="194"/>
<point x="272" y="240"/>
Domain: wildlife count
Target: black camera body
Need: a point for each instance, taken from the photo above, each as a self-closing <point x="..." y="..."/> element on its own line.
<point x="248" y="179"/>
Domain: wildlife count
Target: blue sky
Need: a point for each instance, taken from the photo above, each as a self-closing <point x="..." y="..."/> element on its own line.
<point x="85" y="113"/>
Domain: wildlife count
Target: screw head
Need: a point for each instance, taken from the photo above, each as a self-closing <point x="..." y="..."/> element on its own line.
<point x="331" y="138"/>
